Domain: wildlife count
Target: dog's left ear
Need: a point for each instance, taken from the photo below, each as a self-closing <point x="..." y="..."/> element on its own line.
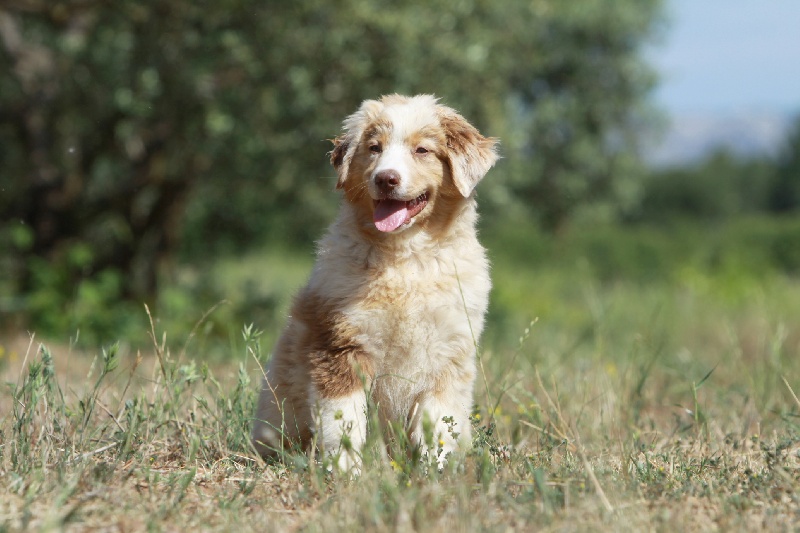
<point x="344" y="146"/>
<point x="470" y="154"/>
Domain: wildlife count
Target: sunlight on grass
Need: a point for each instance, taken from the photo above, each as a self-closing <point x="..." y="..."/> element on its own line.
<point x="621" y="406"/>
<point x="617" y="392"/>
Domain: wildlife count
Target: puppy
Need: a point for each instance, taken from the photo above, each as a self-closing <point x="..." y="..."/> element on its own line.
<point x="396" y="301"/>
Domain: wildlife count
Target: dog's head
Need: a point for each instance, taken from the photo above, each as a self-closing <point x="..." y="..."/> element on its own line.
<point x="399" y="157"/>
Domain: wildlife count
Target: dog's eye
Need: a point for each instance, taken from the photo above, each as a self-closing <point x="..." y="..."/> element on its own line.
<point x="375" y="148"/>
<point x="421" y="150"/>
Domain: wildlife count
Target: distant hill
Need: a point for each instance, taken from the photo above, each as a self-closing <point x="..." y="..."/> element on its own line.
<point x="690" y="137"/>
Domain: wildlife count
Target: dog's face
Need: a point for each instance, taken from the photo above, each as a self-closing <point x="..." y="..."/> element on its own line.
<point x="402" y="161"/>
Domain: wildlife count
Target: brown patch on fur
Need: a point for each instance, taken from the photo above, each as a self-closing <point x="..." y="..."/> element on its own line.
<point x="461" y="135"/>
<point x="471" y="154"/>
<point x="337" y="364"/>
<point x="380" y="128"/>
<point x="430" y="136"/>
<point x="447" y="209"/>
<point x="356" y="193"/>
<point x="345" y="145"/>
<point x="340" y="146"/>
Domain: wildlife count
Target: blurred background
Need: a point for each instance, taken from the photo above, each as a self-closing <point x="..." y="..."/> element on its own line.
<point x="175" y="154"/>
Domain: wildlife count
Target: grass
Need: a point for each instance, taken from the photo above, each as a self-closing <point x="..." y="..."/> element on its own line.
<point x="608" y="404"/>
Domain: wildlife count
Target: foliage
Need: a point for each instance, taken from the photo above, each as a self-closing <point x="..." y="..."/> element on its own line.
<point x="577" y="112"/>
<point x="724" y="186"/>
<point x="785" y="196"/>
<point x="129" y="129"/>
<point x="214" y="300"/>
<point x="721" y="186"/>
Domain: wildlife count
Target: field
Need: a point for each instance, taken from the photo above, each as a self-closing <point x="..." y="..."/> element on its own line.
<point x="613" y="396"/>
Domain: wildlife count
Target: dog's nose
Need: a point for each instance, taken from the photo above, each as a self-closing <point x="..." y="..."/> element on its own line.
<point x="386" y="180"/>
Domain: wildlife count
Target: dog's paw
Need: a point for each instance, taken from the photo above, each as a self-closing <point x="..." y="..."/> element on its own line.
<point x="347" y="463"/>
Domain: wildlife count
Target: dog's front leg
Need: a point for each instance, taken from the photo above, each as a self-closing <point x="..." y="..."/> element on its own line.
<point x="441" y="425"/>
<point x="341" y="425"/>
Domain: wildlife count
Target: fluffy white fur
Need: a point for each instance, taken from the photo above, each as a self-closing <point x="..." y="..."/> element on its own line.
<point x="342" y="426"/>
<point x="392" y="313"/>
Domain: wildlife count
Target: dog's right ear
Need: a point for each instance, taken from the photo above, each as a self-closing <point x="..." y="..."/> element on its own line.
<point x="345" y="145"/>
<point x="341" y="145"/>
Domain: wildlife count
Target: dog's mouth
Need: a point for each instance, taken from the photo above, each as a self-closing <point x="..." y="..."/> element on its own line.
<point x="390" y="214"/>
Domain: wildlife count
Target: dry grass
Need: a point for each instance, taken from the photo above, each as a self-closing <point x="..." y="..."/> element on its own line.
<point x="681" y="419"/>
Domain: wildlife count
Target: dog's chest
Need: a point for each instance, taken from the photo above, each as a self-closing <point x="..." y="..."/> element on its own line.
<point x="412" y="319"/>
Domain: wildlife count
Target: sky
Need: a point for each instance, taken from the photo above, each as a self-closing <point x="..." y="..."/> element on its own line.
<point x="729" y="56"/>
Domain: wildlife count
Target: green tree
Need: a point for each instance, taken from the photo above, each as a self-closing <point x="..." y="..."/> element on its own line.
<point x="785" y="194"/>
<point x="578" y="104"/>
<point x="722" y="185"/>
<point x="131" y="127"/>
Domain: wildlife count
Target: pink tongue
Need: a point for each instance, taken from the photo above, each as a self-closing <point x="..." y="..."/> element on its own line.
<point x="390" y="214"/>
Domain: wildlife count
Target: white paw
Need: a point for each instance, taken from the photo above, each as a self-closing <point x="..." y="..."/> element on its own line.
<point x="346" y="463"/>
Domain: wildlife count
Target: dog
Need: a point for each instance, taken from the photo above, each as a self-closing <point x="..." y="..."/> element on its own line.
<point x="396" y="300"/>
